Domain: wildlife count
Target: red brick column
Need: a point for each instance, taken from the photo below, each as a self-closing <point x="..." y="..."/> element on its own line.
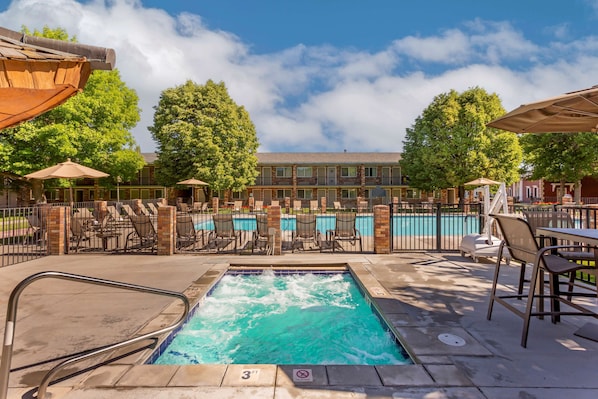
<point x="251" y="203"/>
<point x="57" y="228"/>
<point x="274" y="214"/>
<point x="323" y="204"/>
<point x="215" y="204"/>
<point x="382" y="234"/>
<point x="166" y="230"/>
<point x="137" y="206"/>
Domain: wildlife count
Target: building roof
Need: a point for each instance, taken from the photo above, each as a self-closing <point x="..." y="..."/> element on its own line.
<point x="327" y="158"/>
<point x="314" y="158"/>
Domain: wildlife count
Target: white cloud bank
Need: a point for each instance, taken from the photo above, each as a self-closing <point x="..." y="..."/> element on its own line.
<point x="316" y="98"/>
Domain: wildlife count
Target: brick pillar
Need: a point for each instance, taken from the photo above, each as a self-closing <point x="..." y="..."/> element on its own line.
<point x="323" y="204"/>
<point x="287" y="203"/>
<point x="251" y="203"/>
<point x="215" y="204"/>
<point x="382" y="234"/>
<point x="57" y="227"/>
<point x="100" y="210"/>
<point x="274" y="213"/>
<point x="166" y="230"/>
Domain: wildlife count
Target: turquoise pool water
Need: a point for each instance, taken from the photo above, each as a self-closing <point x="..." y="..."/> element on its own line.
<point x="268" y="318"/>
<point x="406" y="225"/>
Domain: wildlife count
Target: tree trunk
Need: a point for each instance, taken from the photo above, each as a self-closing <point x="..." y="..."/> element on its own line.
<point x="577" y="193"/>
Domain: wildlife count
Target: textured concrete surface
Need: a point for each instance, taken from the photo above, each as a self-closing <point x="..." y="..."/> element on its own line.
<point x="422" y="295"/>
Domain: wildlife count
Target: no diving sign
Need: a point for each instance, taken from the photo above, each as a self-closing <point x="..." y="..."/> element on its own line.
<point x="302" y="375"/>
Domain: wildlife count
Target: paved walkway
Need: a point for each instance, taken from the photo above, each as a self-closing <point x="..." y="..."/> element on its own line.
<point x="422" y="295"/>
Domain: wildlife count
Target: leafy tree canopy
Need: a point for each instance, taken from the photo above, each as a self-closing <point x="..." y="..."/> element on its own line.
<point x="449" y="144"/>
<point x="202" y="133"/>
<point x="91" y="128"/>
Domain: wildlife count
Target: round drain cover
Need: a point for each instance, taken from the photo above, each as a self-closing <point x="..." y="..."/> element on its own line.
<point x="451" y="339"/>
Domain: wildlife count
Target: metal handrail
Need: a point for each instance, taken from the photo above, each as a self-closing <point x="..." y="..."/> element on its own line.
<point x="11" y="315"/>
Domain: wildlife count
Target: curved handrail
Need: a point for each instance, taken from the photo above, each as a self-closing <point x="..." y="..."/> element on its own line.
<point x="11" y="315"/>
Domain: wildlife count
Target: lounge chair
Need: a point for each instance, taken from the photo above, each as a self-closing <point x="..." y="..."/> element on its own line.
<point x="261" y="237"/>
<point x="344" y="230"/>
<point x="313" y="206"/>
<point x="113" y="213"/>
<point x="152" y="208"/>
<point x="362" y="206"/>
<point x="182" y="207"/>
<point x="337" y="206"/>
<point x="224" y="232"/>
<point x="258" y="206"/>
<point x="237" y="206"/>
<point x="128" y="210"/>
<point x="143" y="235"/>
<point x="196" y="207"/>
<point x="274" y="203"/>
<point x="297" y="206"/>
<point x="305" y="231"/>
<point x="520" y="241"/>
<point x="107" y="230"/>
<point x="186" y="235"/>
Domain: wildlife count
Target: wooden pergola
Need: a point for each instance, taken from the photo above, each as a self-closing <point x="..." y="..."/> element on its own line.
<point x="38" y="74"/>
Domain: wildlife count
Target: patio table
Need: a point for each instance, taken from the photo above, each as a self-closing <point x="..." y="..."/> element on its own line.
<point x="585" y="236"/>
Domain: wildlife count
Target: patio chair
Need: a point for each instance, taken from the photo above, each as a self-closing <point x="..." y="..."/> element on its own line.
<point x="362" y="206"/>
<point x="237" y="206"/>
<point x="558" y="218"/>
<point x="196" y="207"/>
<point x="143" y="235"/>
<point x="204" y="207"/>
<point x="305" y="231"/>
<point x="344" y="230"/>
<point x="186" y="235"/>
<point x="142" y="210"/>
<point x="107" y="230"/>
<point x="79" y="233"/>
<point x="258" y="206"/>
<point x="152" y="208"/>
<point x="274" y="203"/>
<point x="182" y="207"/>
<point x="313" y="206"/>
<point x="297" y="206"/>
<point x="128" y="210"/>
<point x="224" y="232"/>
<point x="337" y="206"/>
<point x="520" y="241"/>
<point x="261" y="237"/>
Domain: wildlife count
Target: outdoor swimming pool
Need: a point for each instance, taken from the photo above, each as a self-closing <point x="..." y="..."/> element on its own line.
<point x="407" y="225"/>
<point x="272" y="318"/>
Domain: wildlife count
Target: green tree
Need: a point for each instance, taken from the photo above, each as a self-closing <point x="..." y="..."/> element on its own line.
<point x="92" y="128"/>
<point x="561" y="157"/>
<point x="449" y="144"/>
<point x="202" y="133"/>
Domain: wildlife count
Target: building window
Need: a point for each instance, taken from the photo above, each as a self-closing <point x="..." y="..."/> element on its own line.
<point x="283" y="171"/>
<point x="304" y="171"/>
<point x="304" y="194"/>
<point x="370" y="172"/>
<point x="283" y="193"/>
<point x="348" y="194"/>
<point x="349" y="171"/>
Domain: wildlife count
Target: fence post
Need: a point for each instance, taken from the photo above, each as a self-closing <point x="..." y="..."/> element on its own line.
<point x="57" y="226"/>
<point x="166" y="230"/>
<point x="438" y="225"/>
<point x="274" y="213"/>
<point x="382" y="233"/>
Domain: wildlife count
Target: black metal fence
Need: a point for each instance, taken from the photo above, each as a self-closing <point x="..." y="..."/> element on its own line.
<point x="23" y="234"/>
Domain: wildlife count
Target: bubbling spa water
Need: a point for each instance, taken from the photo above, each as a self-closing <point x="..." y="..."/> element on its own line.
<point x="270" y="318"/>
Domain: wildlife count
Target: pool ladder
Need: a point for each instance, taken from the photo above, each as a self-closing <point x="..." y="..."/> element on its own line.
<point x="77" y="357"/>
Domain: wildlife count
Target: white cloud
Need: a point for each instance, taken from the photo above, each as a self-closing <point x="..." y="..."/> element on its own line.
<point x="315" y="98"/>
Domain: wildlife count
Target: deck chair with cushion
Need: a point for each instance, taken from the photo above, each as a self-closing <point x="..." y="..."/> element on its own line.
<point x="152" y="208"/>
<point x="344" y="231"/>
<point x="224" y="232"/>
<point x="297" y="206"/>
<point x="520" y="241"/>
<point x="306" y="231"/>
<point x="313" y="206"/>
<point x="143" y="236"/>
<point x="258" y="206"/>
<point x="274" y="203"/>
<point x="186" y="235"/>
<point x="337" y="206"/>
<point x="79" y="233"/>
<point x="128" y="210"/>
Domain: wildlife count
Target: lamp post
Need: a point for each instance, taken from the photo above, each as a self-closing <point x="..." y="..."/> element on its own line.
<point x="117" y="189"/>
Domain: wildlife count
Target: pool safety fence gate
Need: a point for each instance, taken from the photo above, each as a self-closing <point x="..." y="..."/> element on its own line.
<point x="427" y="226"/>
<point x="23" y="234"/>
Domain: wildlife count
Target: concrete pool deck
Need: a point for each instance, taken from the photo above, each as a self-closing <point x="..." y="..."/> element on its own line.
<point x="423" y="295"/>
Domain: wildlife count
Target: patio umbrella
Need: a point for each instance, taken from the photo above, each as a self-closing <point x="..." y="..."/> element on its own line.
<point x="482" y="181"/>
<point x="572" y="112"/>
<point x="67" y="170"/>
<point x="38" y="74"/>
<point x="193" y="182"/>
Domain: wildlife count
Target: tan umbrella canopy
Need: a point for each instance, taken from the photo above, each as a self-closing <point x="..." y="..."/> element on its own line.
<point x="67" y="170"/>
<point x="482" y="181"/>
<point x="38" y="74"/>
<point x="572" y="112"/>
<point x="192" y="182"/>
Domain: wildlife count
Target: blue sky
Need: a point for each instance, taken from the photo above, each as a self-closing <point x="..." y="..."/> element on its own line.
<point x="330" y="75"/>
